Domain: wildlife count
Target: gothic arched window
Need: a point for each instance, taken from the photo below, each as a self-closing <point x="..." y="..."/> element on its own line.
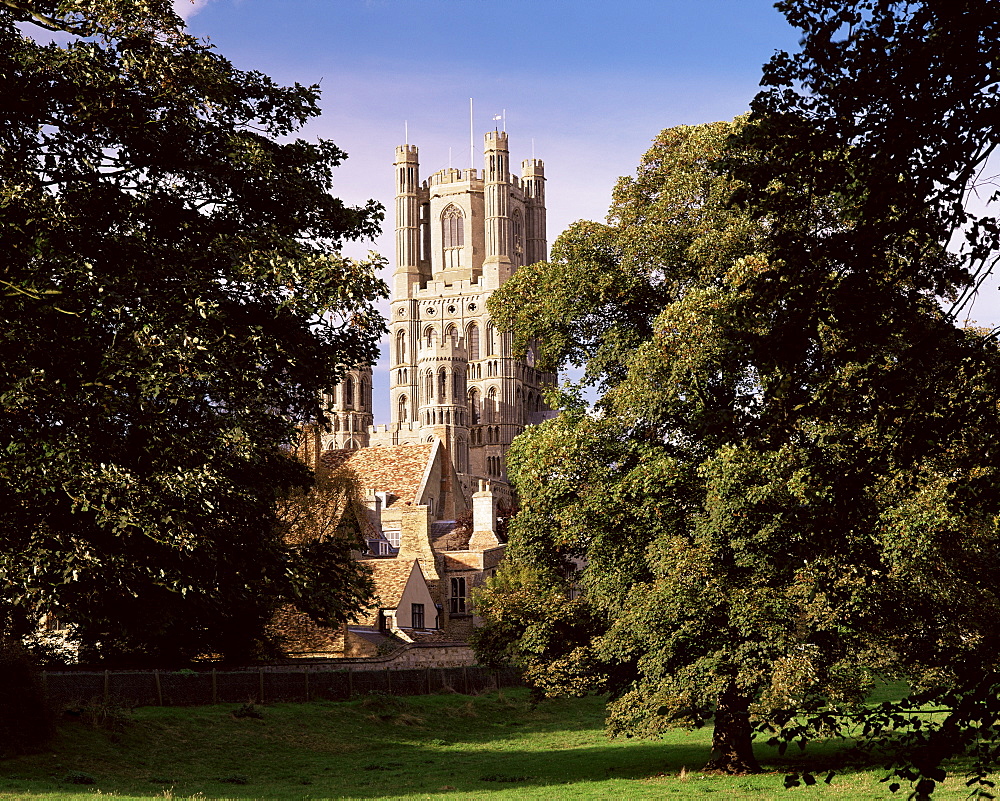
<point x="349" y="393"/>
<point x="364" y="396"/>
<point x="453" y="227"/>
<point x="429" y="336"/>
<point x="428" y="387"/>
<point x="491" y="406"/>
<point x="401" y="409"/>
<point x="452" y="335"/>
<point x="472" y="341"/>
<point x="400" y="347"/>
<point x="491" y="339"/>
<point x="474" y="406"/>
<point x="518" y="226"/>
<point x="456" y="384"/>
<point x="442" y="385"/>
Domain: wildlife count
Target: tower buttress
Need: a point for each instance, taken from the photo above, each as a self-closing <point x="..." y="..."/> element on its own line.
<point x="497" y="265"/>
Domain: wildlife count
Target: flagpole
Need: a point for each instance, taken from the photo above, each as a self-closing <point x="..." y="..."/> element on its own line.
<point x="472" y="138"/>
<point x="505" y="120"/>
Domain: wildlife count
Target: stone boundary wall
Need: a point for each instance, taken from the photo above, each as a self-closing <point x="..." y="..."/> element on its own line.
<point x="411" y="655"/>
<point x="328" y="680"/>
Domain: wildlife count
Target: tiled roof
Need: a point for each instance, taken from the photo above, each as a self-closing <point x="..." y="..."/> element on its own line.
<point x="390" y="577"/>
<point x="447" y="535"/>
<point x="397" y="469"/>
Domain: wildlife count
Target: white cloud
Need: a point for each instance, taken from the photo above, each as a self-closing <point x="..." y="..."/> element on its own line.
<point x="185" y="9"/>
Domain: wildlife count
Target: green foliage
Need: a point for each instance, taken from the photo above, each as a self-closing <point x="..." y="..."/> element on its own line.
<point x="788" y="482"/>
<point x="173" y="301"/>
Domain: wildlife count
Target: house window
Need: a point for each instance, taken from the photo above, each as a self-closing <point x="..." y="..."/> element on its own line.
<point x="393" y="537"/>
<point x="457" y="600"/>
<point x="417" y="615"/>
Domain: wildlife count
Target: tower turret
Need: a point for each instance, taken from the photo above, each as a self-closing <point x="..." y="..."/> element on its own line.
<point x="497" y="264"/>
<point x="533" y="182"/>
<point x="443" y="412"/>
<point x="349" y="409"/>
<point x="409" y="270"/>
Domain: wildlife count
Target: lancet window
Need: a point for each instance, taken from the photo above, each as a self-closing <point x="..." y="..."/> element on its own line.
<point x="400" y="347"/>
<point x="472" y="341"/>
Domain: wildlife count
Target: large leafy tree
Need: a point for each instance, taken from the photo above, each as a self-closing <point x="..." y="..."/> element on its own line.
<point x="788" y="483"/>
<point x="173" y="300"/>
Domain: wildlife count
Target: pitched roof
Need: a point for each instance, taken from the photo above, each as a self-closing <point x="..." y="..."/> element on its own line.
<point x="390" y="577"/>
<point x="397" y="469"/>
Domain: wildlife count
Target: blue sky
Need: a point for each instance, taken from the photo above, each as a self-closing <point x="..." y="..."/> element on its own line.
<point x="591" y="83"/>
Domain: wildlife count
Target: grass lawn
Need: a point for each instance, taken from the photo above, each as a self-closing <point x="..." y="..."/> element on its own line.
<point x="445" y="746"/>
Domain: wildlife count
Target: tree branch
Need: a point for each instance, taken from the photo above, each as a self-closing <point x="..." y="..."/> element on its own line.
<point x="30" y="15"/>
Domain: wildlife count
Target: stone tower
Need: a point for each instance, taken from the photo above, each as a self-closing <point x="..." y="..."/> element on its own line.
<point x="349" y="411"/>
<point x="459" y="236"/>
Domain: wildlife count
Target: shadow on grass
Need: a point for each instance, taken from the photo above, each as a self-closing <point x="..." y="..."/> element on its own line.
<point x="380" y="747"/>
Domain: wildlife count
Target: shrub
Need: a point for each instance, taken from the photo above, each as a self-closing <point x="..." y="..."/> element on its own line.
<point x="26" y="720"/>
<point x="248" y="710"/>
<point x="108" y="715"/>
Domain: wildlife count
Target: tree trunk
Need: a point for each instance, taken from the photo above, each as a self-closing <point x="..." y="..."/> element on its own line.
<point x="732" y="746"/>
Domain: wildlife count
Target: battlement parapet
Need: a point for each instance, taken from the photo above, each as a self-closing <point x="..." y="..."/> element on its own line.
<point x="453" y="175"/>
<point x="496" y="140"/>
<point x="533" y="168"/>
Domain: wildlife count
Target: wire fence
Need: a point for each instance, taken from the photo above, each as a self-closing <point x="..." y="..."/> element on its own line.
<point x="260" y="685"/>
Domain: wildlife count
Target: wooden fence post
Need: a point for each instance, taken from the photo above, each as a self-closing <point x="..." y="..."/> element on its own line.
<point x="107" y="685"/>
<point x="388" y="681"/>
<point x="350" y="684"/>
<point x="465" y="678"/>
<point x="261" y="673"/>
<point x="159" y="688"/>
<point x="306" y="674"/>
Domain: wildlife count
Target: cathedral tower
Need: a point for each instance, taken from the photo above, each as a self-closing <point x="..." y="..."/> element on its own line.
<point x="459" y="236"/>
